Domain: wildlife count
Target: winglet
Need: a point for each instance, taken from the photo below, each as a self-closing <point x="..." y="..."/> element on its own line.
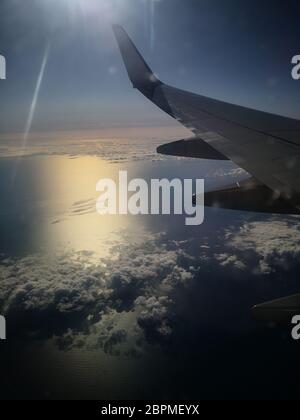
<point x="138" y="70"/>
<point x="278" y="311"/>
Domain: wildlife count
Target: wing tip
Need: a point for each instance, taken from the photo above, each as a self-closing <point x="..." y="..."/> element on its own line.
<point x="116" y="27"/>
<point x="140" y="74"/>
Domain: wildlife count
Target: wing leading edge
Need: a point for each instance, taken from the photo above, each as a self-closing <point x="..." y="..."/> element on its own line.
<point x="267" y="146"/>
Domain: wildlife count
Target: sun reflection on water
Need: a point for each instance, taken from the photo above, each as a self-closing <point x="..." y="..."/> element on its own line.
<point x="67" y="187"/>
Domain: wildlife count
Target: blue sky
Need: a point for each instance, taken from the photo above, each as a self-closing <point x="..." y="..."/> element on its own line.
<point x="237" y="51"/>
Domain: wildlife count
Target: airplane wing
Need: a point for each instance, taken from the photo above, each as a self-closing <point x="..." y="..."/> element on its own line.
<point x="279" y="311"/>
<point x="267" y="146"/>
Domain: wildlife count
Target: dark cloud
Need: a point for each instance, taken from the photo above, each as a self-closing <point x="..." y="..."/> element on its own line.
<point x="97" y="304"/>
<point x="155" y="317"/>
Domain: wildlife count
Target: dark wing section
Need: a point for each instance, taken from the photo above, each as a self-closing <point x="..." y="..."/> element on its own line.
<point x="250" y="195"/>
<point x="267" y="146"/>
<point x="278" y="311"/>
<point x="192" y="148"/>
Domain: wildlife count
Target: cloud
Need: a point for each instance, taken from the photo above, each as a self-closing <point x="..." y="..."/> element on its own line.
<point x="231" y="172"/>
<point x="155" y="317"/>
<point x="274" y="244"/>
<point x="115" y="303"/>
<point x="110" y="333"/>
<point x="230" y="260"/>
<point x="137" y="297"/>
<point x="113" y="145"/>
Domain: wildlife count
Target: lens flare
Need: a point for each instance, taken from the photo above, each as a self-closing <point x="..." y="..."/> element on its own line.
<point x="35" y="96"/>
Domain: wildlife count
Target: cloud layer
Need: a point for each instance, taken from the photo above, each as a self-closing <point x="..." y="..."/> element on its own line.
<point x="98" y="303"/>
<point x="134" y="298"/>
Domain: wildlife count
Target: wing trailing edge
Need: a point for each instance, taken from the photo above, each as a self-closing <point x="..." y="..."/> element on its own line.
<point x="249" y="195"/>
<point x="278" y="311"/>
<point x="194" y="147"/>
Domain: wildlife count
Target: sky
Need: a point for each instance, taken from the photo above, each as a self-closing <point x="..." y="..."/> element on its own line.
<point x="64" y="70"/>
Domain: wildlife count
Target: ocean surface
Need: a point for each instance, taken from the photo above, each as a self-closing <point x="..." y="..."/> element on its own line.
<point x="138" y="307"/>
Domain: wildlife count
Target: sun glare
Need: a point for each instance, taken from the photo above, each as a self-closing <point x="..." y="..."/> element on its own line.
<point x="91" y="8"/>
